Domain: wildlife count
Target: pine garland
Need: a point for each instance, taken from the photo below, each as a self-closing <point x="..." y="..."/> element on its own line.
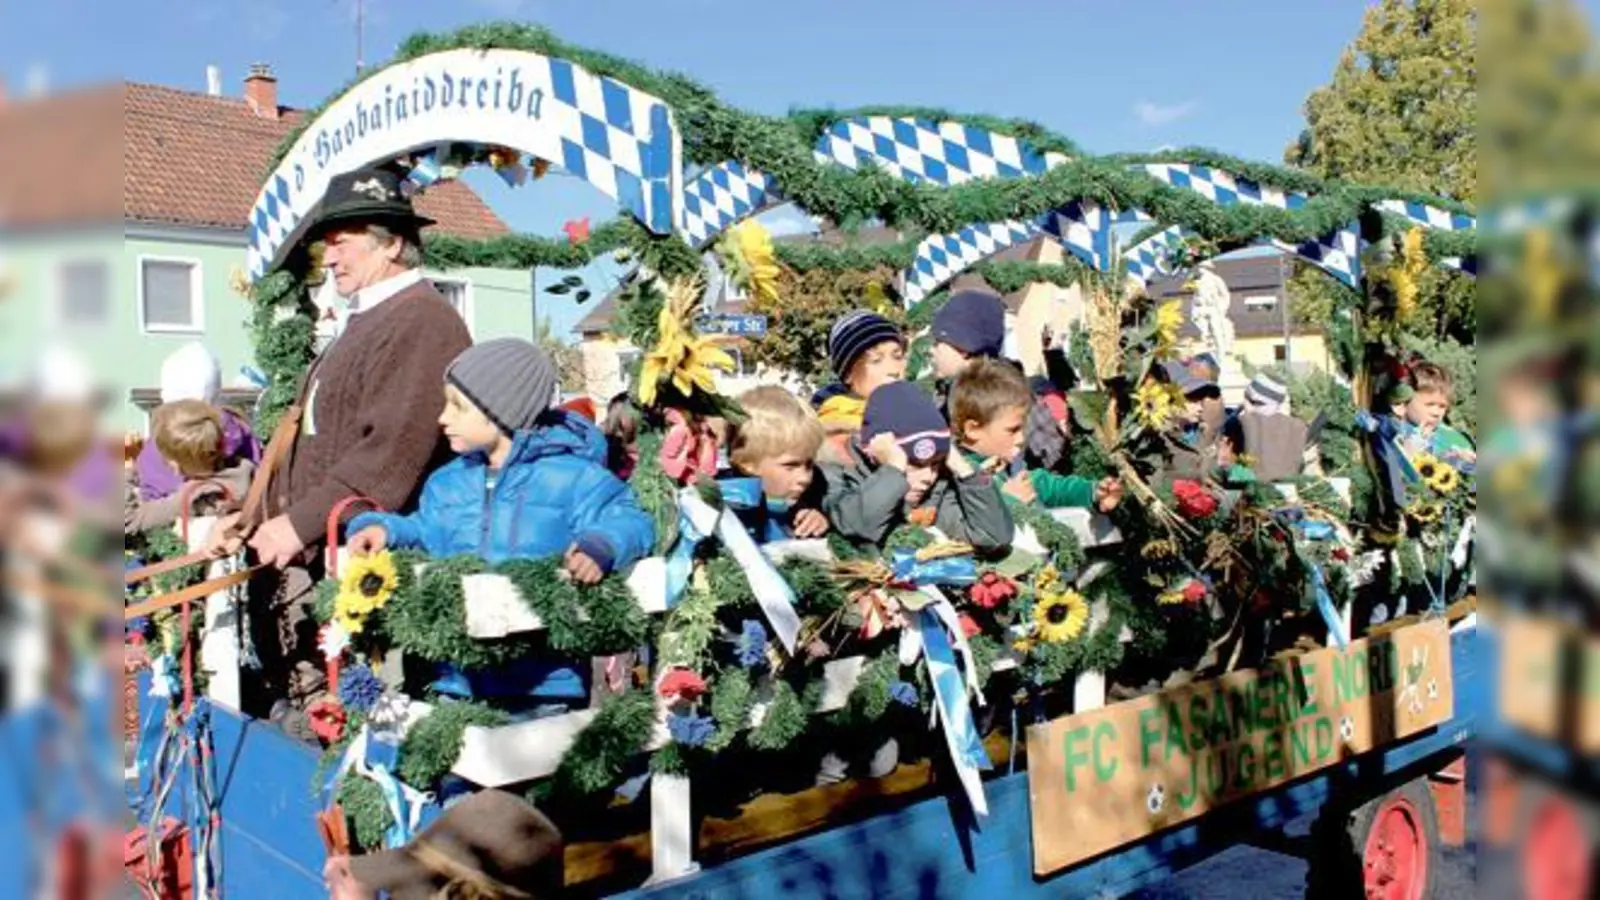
<point x="781" y="147"/>
<point x="426" y="617"/>
<point x="366" y="811"/>
<point x="730" y="701"/>
<point x="602" y="750"/>
<point x="787" y="717"/>
<point x="433" y="743"/>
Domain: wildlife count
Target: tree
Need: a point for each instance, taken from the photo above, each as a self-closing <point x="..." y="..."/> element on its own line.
<point x="809" y="303"/>
<point x="1401" y="111"/>
<point x="567" y="357"/>
<point x="1402" y="107"/>
<point x="1541" y="97"/>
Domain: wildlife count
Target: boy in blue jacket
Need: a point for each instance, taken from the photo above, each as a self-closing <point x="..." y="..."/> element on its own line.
<point x="530" y="481"/>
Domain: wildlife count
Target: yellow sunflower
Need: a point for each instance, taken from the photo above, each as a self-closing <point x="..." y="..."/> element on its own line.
<point x="1060" y="616"/>
<point x="680" y="355"/>
<point x="352" y="623"/>
<point x="1445" y="479"/>
<point x="760" y="269"/>
<point x="1425" y="513"/>
<point x="1048" y="579"/>
<point x="368" y="582"/>
<point x="1155" y="403"/>
<point x="1159" y="548"/>
<point x="1427" y="467"/>
<point x="1169" y="320"/>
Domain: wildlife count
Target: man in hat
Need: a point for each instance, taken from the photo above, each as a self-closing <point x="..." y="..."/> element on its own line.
<point x="491" y="845"/>
<point x="369" y="413"/>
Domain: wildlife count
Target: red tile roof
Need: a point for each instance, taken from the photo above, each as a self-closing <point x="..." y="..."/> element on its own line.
<point x="186" y="159"/>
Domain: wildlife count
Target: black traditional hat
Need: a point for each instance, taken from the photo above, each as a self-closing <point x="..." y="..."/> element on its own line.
<point x="364" y="195"/>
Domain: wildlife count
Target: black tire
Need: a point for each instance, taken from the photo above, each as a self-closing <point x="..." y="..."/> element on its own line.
<point x="1339" y="839"/>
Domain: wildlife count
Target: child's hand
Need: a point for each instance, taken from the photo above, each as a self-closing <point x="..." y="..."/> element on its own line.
<point x="1107" y="494"/>
<point x="888" y="452"/>
<point x="581" y="567"/>
<point x="369" y="540"/>
<point x="810" y="523"/>
<point x="1021" y="488"/>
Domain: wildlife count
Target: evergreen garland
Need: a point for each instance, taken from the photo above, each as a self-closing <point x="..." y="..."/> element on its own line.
<point x="602" y="750"/>
<point x="781" y="147"/>
<point x="366" y="812"/>
<point x="426" y="616"/>
<point x="730" y="701"/>
<point x="433" y="743"/>
<point x="787" y="717"/>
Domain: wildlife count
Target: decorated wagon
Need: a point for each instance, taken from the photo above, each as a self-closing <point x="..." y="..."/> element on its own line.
<point x="1103" y="702"/>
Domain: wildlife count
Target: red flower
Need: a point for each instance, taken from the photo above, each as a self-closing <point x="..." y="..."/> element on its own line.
<point x="328" y="719"/>
<point x="969" y="627"/>
<point x="992" y="590"/>
<point x="682" y="684"/>
<point x="1340" y="554"/>
<point x="1194" y="501"/>
<point x="577" y="230"/>
<point x="1194" y="591"/>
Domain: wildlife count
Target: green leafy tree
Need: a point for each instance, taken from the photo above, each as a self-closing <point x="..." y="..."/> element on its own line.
<point x="1401" y="111"/>
<point x="567" y="357"/>
<point x="807" y="305"/>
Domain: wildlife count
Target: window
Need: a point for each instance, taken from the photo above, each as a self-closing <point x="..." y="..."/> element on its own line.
<point x="456" y="292"/>
<point x="1261" y="301"/>
<point x="170" y="298"/>
<point x="83" y="294"/>
<point x="1280" y="352"/>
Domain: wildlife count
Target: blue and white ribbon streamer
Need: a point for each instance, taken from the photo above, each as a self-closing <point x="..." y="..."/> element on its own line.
<point x="1317" y="530"/>
<point x="953" y="708"/>
<point x="949" y="571"/>
<point x="1394" y="468"/>
<point x="375" y="758"/>
<point x="697" y="520"/>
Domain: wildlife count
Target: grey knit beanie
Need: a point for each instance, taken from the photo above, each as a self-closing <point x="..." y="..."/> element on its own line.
<point x="511" y="380"/>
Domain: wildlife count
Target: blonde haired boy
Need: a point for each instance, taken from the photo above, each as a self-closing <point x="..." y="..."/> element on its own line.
<point x="778" y="443"/>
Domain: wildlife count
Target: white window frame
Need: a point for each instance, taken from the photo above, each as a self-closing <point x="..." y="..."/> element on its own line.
<point x="58" y="294"/>
<point x="1261" y="301"/>
<point x="197" y="295"/>
<point x="466" y="310"/>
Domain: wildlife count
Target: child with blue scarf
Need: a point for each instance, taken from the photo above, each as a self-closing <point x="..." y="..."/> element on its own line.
<point x="772" y="484"/>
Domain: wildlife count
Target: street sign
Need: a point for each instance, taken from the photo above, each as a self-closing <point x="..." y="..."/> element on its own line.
<point x="733" y="324"/>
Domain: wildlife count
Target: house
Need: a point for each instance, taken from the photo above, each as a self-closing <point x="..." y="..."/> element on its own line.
<point x="1265" y="328"/>
<point x="127" y="242"/>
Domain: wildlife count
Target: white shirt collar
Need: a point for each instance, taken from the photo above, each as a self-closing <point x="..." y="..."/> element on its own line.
<point x="368" y="298"/>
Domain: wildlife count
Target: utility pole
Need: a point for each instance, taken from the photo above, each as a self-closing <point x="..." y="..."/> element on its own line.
<point x="1283" y="306"/>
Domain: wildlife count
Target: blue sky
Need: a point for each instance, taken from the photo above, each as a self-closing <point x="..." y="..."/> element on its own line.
<point x="1228" y="75"/>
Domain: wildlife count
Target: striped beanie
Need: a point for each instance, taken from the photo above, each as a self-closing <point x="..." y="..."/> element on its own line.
<point x="854" y="334"/>
<point x="1265" y="393"/>
<point x="512" y="381"/>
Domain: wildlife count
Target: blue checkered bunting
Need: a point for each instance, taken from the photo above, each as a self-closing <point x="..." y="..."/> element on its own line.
<point x="721" y="196"/>
<point x="1429" y="216"/>
<point x="921" y="150"/>
<point x="941" y="257"/>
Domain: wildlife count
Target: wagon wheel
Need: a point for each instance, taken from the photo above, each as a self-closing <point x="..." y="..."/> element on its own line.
<point x="1555" y="851"/>
<point x="1385" y="849"/>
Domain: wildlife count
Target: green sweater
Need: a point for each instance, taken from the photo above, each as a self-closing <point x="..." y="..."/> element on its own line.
<point x="1052" y="490"/>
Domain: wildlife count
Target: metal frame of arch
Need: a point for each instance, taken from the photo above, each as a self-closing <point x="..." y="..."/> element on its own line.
<point x="620" y="139"/>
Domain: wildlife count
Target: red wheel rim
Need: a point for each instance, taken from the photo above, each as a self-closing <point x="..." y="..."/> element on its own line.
<point x="1395" y="860"/>
<point x="1555" y="864"/>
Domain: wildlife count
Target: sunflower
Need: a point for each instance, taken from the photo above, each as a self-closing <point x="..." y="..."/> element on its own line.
<point x="1425" y="513"/>
<point x="760" y="269"/>
<point x="1048" y="579"/>
<point x="680" y="355"/>
<point x="1155" y="402"/>
<point x="1169" y="320"/>
<point x="1445" y="479"/>
<point x="1159" y="548"/>
<point x="1061" y="616"/>
<point x="1427" y="467"/>
<point x="368" y="582"/>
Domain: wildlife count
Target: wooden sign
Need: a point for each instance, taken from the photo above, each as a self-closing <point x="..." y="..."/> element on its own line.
<point x="1549" y="681"/>
<point x="1102" y="779"/>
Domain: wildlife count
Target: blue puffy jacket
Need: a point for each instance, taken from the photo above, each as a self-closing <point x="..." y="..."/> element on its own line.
<point x="553" y="492"/>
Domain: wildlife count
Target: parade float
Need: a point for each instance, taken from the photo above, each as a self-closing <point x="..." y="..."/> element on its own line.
<point x="1221" y="648"/>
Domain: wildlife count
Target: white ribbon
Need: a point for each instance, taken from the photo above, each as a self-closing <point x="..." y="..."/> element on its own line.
<point x="772" y="592"/>
<point x="953" y="708"/>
